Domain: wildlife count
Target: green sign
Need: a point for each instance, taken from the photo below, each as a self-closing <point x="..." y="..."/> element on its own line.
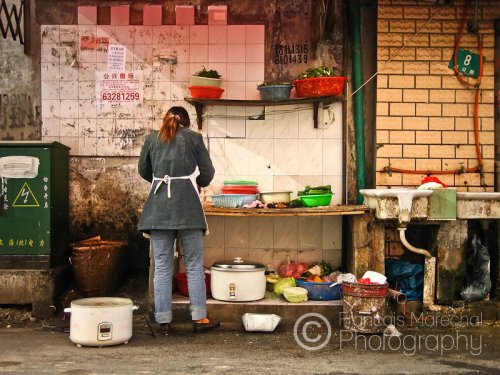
<point x="468" y="63"/>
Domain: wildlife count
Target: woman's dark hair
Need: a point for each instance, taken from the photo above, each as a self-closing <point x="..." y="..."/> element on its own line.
<point x="175" y="116"/>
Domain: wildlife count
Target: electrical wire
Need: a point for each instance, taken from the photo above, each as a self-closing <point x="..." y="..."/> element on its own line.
<point x="389" y="169"/>
<point x="348" y="97"/>
<point x="479" y="168"/>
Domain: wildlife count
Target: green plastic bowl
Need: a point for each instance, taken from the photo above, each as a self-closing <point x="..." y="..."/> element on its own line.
<point x="316" y="200"/>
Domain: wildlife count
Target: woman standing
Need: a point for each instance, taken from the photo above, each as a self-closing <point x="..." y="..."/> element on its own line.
<point x="168" y="160"/>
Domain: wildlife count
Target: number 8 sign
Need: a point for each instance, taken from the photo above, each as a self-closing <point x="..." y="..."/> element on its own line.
<point x="467" y="63"/>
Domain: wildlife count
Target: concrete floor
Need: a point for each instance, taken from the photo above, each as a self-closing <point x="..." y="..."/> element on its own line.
<point x="28" y="346"/>
<point x="46" y="349"/>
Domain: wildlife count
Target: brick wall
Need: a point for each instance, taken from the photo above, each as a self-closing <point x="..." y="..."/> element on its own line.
<point x="424" y="114"/>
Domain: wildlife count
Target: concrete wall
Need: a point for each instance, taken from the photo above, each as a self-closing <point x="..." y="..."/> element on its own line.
<point x="20" y="110"/>
<point x="424" y="114"/>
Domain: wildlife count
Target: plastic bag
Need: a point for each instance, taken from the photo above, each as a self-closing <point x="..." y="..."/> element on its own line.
<point x="408" y="276"/>
<point x="478" y="282"/>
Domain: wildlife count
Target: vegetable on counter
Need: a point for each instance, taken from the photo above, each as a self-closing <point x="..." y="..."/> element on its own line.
<point x="315" y="190"/>
<point x="314" y="279"/>
<point x="284" y="283"/>
<point x="320" y="269"/>
<point x="273" y="278"/>
<point x="291" y="269"/>
<point x="295" y="294"/>
<point x="322" y="71"/>
<point x="296" y="203"/>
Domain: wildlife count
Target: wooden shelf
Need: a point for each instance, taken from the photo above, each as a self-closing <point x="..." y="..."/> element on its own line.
<point x="302" y="211"/>
<point x="199" y="104"/>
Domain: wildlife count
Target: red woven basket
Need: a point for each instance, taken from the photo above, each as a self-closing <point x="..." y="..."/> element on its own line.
<point x="206" y="92"/>
<point x="319" y="86"/>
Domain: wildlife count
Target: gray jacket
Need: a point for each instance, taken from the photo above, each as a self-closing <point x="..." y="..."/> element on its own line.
<point x="179" y="157"/>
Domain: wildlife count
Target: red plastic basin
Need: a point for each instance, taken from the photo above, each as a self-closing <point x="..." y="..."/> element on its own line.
<point x="206" y="92"/>
<point x="182" y="283"/>
<point x="240" y="190"/>
<point x="319" y="86"/>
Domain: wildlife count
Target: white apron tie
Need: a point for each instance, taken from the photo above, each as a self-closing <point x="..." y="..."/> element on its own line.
<point x="167" y="180"/>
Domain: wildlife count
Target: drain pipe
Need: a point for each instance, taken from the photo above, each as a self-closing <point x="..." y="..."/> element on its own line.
<point x="410" y="247"/>
<point x="357" y="77"/>
<point x="429" y="293"/>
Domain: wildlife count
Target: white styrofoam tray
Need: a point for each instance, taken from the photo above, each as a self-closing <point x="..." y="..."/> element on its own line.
<point x="260" y="322"/>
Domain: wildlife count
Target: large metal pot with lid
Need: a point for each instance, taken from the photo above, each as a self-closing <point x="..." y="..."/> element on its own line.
<point x="238" y="280"/>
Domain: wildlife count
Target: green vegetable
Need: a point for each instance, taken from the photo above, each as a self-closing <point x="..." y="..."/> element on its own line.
<point x="271" y="295"/>
<point x="283" y="283"/>
<point x="208" y="73"/>
<point x="319" y="72"/>
<point x="295" y="294"/>
<point x="274" y="83"/>
<point x="296" y="203"/>
<point x="315" y="190"/>
<point x="320" y="269"/>
<point x="273" y="278"/>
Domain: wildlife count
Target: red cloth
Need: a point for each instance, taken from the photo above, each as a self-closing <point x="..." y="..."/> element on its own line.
<point x="433" y="179"/>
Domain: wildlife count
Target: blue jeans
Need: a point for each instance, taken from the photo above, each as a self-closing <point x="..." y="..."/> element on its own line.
<point x="163" y="247"/>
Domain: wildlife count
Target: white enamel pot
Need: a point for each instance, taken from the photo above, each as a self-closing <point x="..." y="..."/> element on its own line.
<point x="101" y="321"/>
<point x="276" y="197"/>
<point x="238" y="280"/>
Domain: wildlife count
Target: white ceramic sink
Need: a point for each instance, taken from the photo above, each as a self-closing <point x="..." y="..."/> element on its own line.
<point x="478" y="195"/>
<point x="397" y="203"/>
<point x="478" y="205"/>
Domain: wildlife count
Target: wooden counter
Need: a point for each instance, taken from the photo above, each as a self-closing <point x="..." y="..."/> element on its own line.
<point x="301" y="211"/>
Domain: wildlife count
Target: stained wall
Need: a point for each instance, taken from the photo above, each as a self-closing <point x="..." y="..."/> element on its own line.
<point x="424" y="113"/>
<point x="277" y="146"/>
<point x="20" y="107"/>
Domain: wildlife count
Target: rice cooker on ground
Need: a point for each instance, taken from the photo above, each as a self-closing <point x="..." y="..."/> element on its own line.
<point x="238" y="280"/>
<point x="101" y="321"/>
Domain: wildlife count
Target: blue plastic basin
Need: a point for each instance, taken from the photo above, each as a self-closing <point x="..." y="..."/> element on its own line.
<point x="321" y="291"/>
<point x="275" y="92"/>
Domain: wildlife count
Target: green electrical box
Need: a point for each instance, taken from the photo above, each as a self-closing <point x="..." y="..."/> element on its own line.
<point x="34" y="204"/>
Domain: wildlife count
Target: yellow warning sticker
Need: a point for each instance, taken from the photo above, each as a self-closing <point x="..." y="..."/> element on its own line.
<point x="25" y="198"/>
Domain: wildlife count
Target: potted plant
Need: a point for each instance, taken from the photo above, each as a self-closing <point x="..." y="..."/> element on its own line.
<point x="206" y="78"/>
<point x="320" y="81"/>
<point x="273" y="90"/>
<point x="205" y="84"/>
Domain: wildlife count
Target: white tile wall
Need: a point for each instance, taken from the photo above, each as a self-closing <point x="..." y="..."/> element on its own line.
<point x="275" y="145"/>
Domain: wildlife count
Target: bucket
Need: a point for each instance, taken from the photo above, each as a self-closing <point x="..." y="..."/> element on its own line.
<point x="98" y="266"/>
<point x="182" y="283"/>
<point x="364" y="307"/>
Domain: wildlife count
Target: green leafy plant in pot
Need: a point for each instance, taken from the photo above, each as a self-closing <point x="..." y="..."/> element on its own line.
<point x="320" y="81"/>
<point x="205" y="84"/>
<point x="206" y="78"/>
<point x="274" y="90"/>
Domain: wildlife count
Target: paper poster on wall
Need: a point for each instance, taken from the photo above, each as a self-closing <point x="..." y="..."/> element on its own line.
<point x="118" y="88"/>
<point x="116" y="57"/>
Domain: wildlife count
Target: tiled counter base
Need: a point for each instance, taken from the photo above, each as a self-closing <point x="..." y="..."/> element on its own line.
<point x="230" y="313"/>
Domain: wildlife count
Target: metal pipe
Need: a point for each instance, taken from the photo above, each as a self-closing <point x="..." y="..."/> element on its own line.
<point x="357" y="77"/>
<point x="410" y="247"/>
<point x="397" y="296"/>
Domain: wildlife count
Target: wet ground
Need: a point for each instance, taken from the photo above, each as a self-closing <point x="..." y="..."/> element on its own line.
<point x="45" y="348"/>
<point x="432" y="346"/>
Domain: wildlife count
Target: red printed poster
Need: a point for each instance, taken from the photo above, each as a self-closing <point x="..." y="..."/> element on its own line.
<point x="91" y="43"/>
<point x="114" y="88"/>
